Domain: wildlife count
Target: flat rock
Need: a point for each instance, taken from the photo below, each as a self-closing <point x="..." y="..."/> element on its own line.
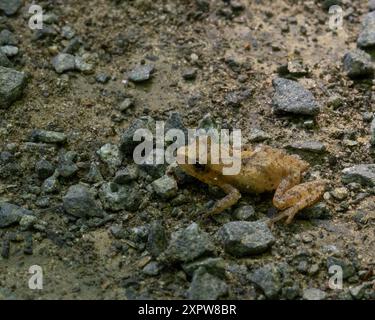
<point x="366" y="38"/>
<point x="268" y="279"/>
<point x="308" y="146"/>
<point x="292" y="97"/>
<point x="11" y="214"/>
<point x="64" y="62"/>
<point x="314" y="294"/>
<point x="141" y="73"/>
<point x="12" y="84"/>
<point x="243" y="238"/>
<point x="362" y="173"/>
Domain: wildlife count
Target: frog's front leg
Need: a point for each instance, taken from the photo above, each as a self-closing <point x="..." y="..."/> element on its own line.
<point x="293" y="197"/>
<point x="210" y="178"/>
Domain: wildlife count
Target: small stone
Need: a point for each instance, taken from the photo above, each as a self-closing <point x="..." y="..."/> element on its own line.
<point x="7" y="38"/>
<point x="64" y="62"/>
<point x="80" y="202"/>
<point x="165" y="187"/>
<point x="44" y="169"/>
<point x="11" y="214"/>
<point x="308" y="146"/>
<point x="340" y="193"/>
<point x="153" y="268"/>
<point x="4" y="61"/>
<point x="257" y="135"/>
<point x="51" y="185"/>
<point x="141" y="73"/>
<point x="358" y="64"/>
<point x="110" y="154"/>
<point x="83" y="66"/>
<point x="335" y="101"/>
<point x="318" y="211"/>
<point x="102" y="78"/>
<point x="314" y="294"/>
<point x="235" y="98"/>
<point x="48" y="136"/>
<point x="189" y="244"/>
<point x="9" y="51"/>
<point x="268" y="279"/>
<point x="157" y="239"/>
<point x="66" y="167"/>
<point x="372" y="131"/>
<point x="366" y="38"/>
<point x="359" y="291"/>
<point x="10" y="7"/>
<point x="190" y="74"/>
<point x="67" y="32"/>
<point x="205" y="286"/>
<point x="245" y="213"/>
<point x="12" y="84"/>
<point x="371" y="5"/>
<point x="130" y="173"/>
<point x="242" y="238"/>
<point x="27" y="222"/>
<point x="94" y="175"/>
<point x="126" y="104"/>
<point x="214" y="266"/>
<point x="116" y="198"/>
<point x="291" y="97"/>
<point x="363" y="174"/>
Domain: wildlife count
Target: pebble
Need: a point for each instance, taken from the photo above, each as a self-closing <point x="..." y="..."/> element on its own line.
<point x="317" y="211"/>
<point x="366" y="38"/>
<point x="66" y="166"/>
<point x="291" y="97"/>
<point x="189" y="244"/>
<point x="245" y="213"/>
<point x="340" y="193"/>
<point x="10" y="7"/>
<point x="141" y="73"/>
<point x="12" y="84"/>
<point x="9" y="51"/>
<point x="258" y="135"/>
<point x="11" y="214"/>
<point x="48" y="136"/>
<point x="190" y="74"/>
<point x="4" y="61"/>
<point x="268" y="279"/>
<point x="362" y="173"/>
<point x="242" y="238"/>
<point x="44" y="169"/>
<point x="214" y="266"/>
<point x="80" y="202"/>
<point x="7" y="38"/>
<point x="51" y="185"/>
<point x="110" y="154"/>
<point x="126" y="175"/>
<point x="309" y="146"/>
<point x="313" y="294"/>
<point x="153" y="268"/>
<point x="157" y="239"/>
<point x="126" y="104"/>
<point x="358" y="64"/>
<point x="165" y="187"/>
<point x="64" y="62"/>
<point x="116" y="197"/>
<point x="102" y="78"/>
<point x="206" y="286"/>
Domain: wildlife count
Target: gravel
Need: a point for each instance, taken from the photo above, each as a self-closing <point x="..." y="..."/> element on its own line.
<point x="291" y="97"/>
<point x="12" y="84"/>
<point x="243" y="238"/>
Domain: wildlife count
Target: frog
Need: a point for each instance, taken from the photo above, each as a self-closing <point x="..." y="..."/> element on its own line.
<point x="263" y="169"/>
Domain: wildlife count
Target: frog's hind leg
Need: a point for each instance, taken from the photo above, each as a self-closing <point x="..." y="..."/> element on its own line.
<point x="293" y="198"/>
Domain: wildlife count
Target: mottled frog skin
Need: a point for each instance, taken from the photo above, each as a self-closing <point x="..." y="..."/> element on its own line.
<point x="263" y="169"/>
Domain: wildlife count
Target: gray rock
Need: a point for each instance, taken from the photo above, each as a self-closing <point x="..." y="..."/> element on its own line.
<point x="309" y="146"/>
<point x="48" y="136"/>
<point x="358" y="292"/>
<point x="214" y="266"/>
<point x="156" y="171"/>
<point x="242" y="238"/>
<point x="4" y="61"/>
<point x="83" y="66"/>
<point x="9" y="51"/>
<point x="80" y="202"/>
<point x="291" y="97"/>
<point x="126" y="104"/>
<point x="44" y="169"/>
<point x="10" y="7"/>
<point x="268" y="279"/>
<point x="358" y="64"/>
<point x="190" y="74"/>
<point x="165" y="187"/>
<point x="7" y="38"/>
<point x="152" y="269"/>
<point x="235" y="98"/>
<point x="257" y="135"/>
<point x="124" y="176"/>
<point x="314" y="294"/>
<point x="27" y="222"/>
<point x="11" y="214"/>
<point x="372" y="131"/>
<point x="94" y="175"/>
<point x="67" y="32"/>
<point x="12" y="83"/>
<point x="157" y="240"/>
<point x="189" y="244"/>
<point x="366" y="38"/>
<point x="115" y="197"/>
<point x="318" y="211"/>
<point x="51" y="185"/>
<point x="175" y="121"/>
<point x="206" y="286"/>
<point x="141" y="73"/>
<point x="102" y="78"/>
<point x="371" y="5"/>
<point x="245" y="213"/>
<point x="363" y="174"/>
<point x="110" y="154"/>
<point x="66" y="167"/>
<point x="64" y="62"/>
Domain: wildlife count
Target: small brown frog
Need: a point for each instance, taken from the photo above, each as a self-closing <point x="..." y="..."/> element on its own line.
<point x="263" y="169"/>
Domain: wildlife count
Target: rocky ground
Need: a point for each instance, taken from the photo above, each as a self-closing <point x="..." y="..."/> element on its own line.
<point x="73" y="202"/>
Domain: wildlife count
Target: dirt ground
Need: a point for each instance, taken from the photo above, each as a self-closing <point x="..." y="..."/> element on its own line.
<point x="232" y="49"/>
